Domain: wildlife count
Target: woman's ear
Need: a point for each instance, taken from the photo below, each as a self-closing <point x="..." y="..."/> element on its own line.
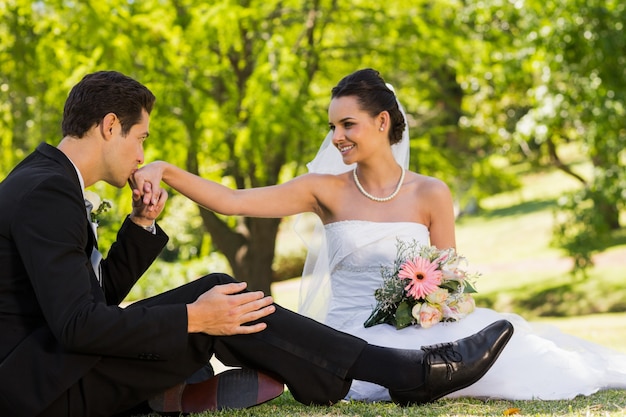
<point x="383" y="120"/>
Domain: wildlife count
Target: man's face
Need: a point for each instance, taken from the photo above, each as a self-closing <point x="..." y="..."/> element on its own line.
<point x="125" y="153"/>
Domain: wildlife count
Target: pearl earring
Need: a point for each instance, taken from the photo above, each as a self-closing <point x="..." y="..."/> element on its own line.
<point x="381" y="128"/>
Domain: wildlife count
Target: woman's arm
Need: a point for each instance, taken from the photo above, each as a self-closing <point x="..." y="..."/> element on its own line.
<point x="293" y="197"/>
<point x="441" y="210"/>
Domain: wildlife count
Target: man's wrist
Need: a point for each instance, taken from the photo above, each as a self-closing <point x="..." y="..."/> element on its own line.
<point x="149" y="225"/>
<point x="150" y="228"/>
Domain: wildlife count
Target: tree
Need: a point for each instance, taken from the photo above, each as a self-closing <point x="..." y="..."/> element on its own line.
<point x="578" y="98"/>
<point x="237" y="76"/>
<point x="242" y="88"/>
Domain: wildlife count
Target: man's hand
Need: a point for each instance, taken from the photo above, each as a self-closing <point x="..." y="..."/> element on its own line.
<point x="224" y="311"/>
<point x="144" y="214"/>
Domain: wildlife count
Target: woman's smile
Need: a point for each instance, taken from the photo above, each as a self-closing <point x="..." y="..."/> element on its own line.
<point x="345" y="148"/>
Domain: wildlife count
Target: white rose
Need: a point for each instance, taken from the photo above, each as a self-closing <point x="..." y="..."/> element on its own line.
<point x="94" y="199"/>
<point x="439" y="296"/>
<point x="415" y="311"/>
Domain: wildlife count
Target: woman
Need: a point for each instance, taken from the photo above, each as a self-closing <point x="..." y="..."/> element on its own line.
<point x="365" y="197"/>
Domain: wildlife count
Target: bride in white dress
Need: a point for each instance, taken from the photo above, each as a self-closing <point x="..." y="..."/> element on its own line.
<point x="539" y="362"/>
<point x="361" y="190"/>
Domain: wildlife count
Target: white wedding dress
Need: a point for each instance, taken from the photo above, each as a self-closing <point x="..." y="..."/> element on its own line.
<point x="539" y="362"/>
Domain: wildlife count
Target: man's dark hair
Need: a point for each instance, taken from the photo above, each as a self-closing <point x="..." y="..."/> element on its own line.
<point x="104" y="92"/>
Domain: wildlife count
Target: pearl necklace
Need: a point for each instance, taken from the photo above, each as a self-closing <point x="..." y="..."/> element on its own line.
<point x="378" y="199"/>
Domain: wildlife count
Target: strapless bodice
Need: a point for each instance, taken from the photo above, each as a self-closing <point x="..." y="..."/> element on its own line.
<point x="356" y="252"/>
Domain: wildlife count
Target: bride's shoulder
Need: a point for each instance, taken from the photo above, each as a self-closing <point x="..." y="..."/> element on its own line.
<point x="426" y="184"/>
<point x="324" y="185"/>
<point x="327" y="179"/>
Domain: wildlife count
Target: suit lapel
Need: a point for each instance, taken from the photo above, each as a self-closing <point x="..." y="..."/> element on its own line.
<point x="59" y="157"/>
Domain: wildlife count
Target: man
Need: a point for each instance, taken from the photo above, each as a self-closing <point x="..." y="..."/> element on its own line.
<point x="67" y="348"/>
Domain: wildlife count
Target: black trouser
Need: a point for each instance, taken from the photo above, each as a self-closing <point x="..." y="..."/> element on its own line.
<point x="311" y="358"/>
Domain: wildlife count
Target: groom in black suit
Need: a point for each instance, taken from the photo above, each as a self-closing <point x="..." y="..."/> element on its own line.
<point x="67" y="348"/>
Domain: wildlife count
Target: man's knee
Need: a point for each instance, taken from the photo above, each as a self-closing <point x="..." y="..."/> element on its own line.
<point x="189" y="292"/>
<point x="206" y="282"/>
<point x="216" y="278"/>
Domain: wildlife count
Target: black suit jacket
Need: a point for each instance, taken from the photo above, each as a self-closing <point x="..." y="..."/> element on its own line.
<point x="56" y="322"/>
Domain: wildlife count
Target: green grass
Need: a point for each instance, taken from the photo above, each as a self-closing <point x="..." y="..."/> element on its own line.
<point x="509" y="243"/>
<point x="606" y="329"/>
<point x="605" y="404"/>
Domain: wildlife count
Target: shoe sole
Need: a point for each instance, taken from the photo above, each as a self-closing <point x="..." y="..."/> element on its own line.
<point x="231" y="389"/>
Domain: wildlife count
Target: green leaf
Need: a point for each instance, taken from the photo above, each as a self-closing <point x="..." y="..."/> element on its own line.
<point x="453" y="286"/>
<point x="403" y="315"/>
<point x="378" y="316"/>
<point x="469" y="288"/>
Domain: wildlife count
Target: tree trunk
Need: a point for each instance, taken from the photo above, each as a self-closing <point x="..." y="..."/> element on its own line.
<point x="609" y="213"/>
<point x="249" y="247"/>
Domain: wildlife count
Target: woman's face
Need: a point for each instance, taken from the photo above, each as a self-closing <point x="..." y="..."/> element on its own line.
<point x="354" y="130"/>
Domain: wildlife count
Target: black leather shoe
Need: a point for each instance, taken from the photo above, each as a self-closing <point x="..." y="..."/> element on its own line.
<point x="231" y="389"/>
<point x="449" y="367"/>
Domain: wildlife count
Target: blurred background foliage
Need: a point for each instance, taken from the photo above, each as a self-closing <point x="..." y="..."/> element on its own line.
<point x="242" y="89"/>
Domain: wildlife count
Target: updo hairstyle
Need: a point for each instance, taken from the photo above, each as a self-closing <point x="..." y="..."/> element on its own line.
<point x="373" y="97"/>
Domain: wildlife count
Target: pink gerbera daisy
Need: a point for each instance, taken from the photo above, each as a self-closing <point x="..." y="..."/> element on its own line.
<point x="424" y="276"/>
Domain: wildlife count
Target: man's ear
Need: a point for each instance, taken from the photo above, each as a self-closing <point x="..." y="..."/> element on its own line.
<point x="106" y="127"/>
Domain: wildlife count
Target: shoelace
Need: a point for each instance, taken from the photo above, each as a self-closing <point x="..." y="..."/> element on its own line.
<point x="445" y="352"/>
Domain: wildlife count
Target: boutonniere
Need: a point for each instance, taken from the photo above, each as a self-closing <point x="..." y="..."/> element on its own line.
<point x="98" y="205"/>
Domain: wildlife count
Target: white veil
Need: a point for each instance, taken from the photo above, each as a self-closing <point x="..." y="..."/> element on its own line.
<point x="315" y="285"/>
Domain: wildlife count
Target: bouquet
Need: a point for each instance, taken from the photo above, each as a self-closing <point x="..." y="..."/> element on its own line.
<point x="425" y="286"/>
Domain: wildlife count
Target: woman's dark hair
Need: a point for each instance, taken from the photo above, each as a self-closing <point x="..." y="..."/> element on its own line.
<point x="101" y="93"/>
<point x="373" y="96"/>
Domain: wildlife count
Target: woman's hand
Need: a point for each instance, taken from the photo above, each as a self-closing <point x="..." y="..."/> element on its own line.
<point x="152" y="174"/>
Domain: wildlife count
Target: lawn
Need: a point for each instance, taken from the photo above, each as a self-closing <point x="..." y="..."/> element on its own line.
<point x="603" y="404"/>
